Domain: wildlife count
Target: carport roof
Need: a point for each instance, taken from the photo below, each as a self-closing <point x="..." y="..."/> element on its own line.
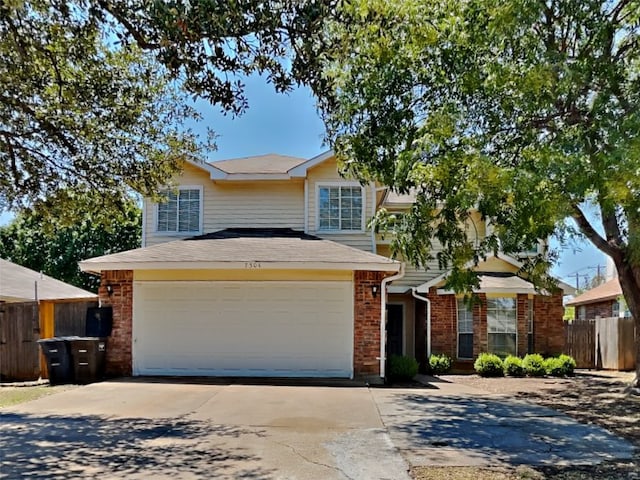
<point x="245" y="248"/>
<point x="18" y="284"/>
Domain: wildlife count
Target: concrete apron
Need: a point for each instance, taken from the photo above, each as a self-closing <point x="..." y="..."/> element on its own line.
<point x="151" y="430"/>
<point x="456" y="425"/>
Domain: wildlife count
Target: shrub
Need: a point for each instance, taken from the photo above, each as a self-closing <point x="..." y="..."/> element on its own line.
<point x="513" y="366"/>
<point x="568" y="364"/>
<point x="439" y="364"/>
<point x="554" y="367"/>
<point x="534" y="365"/>
<point x="402" y="368"/>
<point x="488" y="365"/>
<point x="561" y="366"/>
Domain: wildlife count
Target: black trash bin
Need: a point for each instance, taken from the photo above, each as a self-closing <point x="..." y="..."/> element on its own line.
<point x="59" y="364"/>
<point x="88" y="354"/>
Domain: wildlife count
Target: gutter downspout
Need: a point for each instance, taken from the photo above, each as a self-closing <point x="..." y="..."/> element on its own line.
<point x="383" y="317"/>
<point x="414" y="292"/>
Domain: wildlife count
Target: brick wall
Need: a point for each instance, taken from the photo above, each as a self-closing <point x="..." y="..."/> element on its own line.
<point x="443" y="323"/>
<point x="597" y="309"/>
<point x="121" y="299"/>
<point x="548" y="324"/>
<point x="366" y="329"/>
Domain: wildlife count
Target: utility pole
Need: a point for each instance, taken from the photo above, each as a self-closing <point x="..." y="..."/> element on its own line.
<point x="577" y="281"/>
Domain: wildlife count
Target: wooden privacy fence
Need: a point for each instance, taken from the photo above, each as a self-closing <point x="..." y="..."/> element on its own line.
<point x="20" y="328"/>
<point x="19" y="333"/>
<point x="580" y="342"/>
<point x="607" y="343"/>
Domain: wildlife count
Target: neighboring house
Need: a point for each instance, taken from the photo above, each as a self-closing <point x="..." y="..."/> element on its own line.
<point x="604" y="301"/>
<point x="30" y="305"/>
<point x="264" y="266"/>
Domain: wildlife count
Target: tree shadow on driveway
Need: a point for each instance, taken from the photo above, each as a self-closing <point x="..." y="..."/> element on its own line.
<point x="475" y="430"/>
<point x="66" y="447"/>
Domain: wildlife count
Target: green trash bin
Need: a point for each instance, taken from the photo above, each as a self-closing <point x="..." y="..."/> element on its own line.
<point x="58" y="356"/>
<point x="89" y="355"/>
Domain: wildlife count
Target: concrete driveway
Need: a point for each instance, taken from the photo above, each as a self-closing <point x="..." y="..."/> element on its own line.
<point x="455" y="425"/>
<point x="135" y="429"/>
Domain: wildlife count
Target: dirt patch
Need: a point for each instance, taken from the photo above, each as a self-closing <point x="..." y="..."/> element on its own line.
<point x="599" y="398"/>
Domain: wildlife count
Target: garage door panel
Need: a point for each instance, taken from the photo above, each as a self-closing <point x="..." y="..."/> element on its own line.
<point x="243" y="328"/>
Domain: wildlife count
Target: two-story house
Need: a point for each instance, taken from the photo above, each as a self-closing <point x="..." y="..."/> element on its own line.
<point x="264" y="266"/>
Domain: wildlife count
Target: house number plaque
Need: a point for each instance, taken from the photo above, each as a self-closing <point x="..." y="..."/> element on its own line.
<point x="252" y="265"/>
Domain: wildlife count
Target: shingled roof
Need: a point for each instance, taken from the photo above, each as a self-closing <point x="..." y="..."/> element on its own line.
<point x="607" y="291"/>
<point x="18" y="284"/>
<point x="275" y="248"/>
<point x="265" y="164"/>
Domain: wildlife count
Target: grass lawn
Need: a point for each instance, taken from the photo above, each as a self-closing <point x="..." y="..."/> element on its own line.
<point x="15" y="395"/>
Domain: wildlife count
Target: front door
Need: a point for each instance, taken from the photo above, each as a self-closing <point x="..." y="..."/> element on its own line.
<point x="395" y="320"/>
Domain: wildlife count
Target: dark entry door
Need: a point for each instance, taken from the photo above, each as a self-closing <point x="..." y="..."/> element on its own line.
<point x="395" y="317"/>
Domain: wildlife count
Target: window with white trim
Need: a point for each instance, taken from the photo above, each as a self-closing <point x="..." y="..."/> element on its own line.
<point x="340" y="208"/>
<point x="615" y="308"/>
<point x="181" y="212"/>
<point x="465" y="329"/>
<point x="502" y="325"/>
<point x="582" y="312"/>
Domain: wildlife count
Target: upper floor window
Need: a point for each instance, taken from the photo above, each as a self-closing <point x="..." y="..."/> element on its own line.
<point x="181" y="212"/>
<point x="340" y="208"/>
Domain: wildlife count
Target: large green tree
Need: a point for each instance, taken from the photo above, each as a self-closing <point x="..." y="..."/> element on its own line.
<point x="95" y="94"/>
<point x="526" y="110"/>
<point x="34" y="241"/>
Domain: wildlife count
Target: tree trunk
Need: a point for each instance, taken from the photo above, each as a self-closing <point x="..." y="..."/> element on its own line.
<point x="628" y="275"/>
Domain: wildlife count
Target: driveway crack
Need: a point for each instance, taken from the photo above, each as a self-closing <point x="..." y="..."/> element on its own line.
<point x="314" y="462"/>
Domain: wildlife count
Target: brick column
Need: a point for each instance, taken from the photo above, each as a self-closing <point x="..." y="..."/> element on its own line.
<point x="522" y="324"/>
<point x="444" y="324"/>
<point x="119" y="359"/>
<point x="480" y="333"/>
<point x="366" y="328"/>
<point x="548" y="325"/>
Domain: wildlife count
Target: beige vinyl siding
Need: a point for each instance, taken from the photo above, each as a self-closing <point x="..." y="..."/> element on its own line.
<point x="327" y="173"/>
<point x="277" y="204"/>
<point x="413" y="276"/>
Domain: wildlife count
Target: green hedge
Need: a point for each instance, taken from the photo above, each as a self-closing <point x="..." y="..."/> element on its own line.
<point x="489" y="365"/>
<point x="439" y="364"/>
<point x="513" y="366"/>
<point x="402" y="367"/>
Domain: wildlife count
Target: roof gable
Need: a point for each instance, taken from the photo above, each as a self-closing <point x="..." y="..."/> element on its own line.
<point x="271" y="166"/>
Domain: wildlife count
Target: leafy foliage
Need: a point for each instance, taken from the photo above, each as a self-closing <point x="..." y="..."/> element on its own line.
<point x="534" y="365"/>
<point x="525" y="111"/>
<point x="488" y="365"/>
<point x="439" y="364"/>
<point x="561" y="366"/>
<point x="513" y="366"/>
<point x="95" y="93"/>
<point x="55" y="248"/>
<point x="402" y="367"/>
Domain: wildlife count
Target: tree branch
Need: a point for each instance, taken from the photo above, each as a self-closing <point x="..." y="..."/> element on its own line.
<point x="594" y="237"/>
<point x="129" y="27"/>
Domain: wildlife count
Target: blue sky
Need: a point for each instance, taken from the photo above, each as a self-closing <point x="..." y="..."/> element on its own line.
<point x="289" y="124"/>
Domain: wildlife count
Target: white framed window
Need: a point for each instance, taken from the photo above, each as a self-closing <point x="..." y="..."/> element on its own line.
<point x="340" y="208"/>
<point x="502" y="326"/>
<point x="465" y="329"/>
<point x="582" y="312"/>
<point x="615" y="308"/>
<point x="182" y="212"/>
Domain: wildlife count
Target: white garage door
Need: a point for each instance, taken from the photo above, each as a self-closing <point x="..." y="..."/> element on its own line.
<point x="285" y="329"/>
